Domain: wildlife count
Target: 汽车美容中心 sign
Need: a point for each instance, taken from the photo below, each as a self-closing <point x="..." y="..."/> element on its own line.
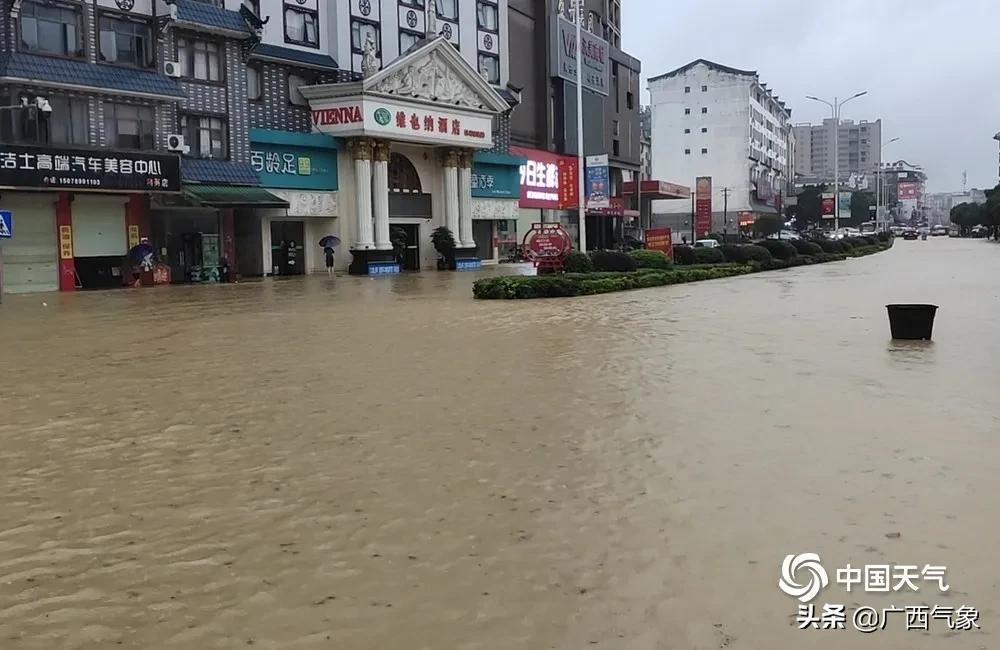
<point x="27" y="167"/>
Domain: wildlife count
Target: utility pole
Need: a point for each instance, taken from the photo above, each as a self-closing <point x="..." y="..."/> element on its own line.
<point x="781" y="219"/>
<point x="692" y="219"/>
<point x="581" y="170"/>
<point x="725" y="214"/>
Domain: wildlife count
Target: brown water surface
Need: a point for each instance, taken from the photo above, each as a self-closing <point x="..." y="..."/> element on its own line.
<point x="387" y="464"/>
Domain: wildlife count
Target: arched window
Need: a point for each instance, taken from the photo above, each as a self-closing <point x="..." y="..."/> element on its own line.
<point x="402" y="175"/>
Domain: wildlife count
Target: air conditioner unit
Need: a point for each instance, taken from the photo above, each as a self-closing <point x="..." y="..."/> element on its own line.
<point x="175" y="142"/>
<point x="172" y="69"/>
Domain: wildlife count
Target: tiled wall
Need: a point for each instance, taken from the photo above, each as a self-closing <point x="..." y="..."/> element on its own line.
<point x="274" y="110"/>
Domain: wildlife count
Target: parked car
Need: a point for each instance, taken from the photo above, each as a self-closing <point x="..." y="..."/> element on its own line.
<point x="911" y="234"/>
<point x="939" y="230"/>
<point x="980" y="231"/>
<point x="706" y="243"/>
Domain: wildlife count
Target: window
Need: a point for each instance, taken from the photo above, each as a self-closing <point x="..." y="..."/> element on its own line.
<point x="206" y="136"/>
<point x="412" y="3"/>
<point x="199" y="59"/>
<point x="408" y="40"/>
<point x="488" y="16"/>
<point x="489" y="67"/>
<point x="361" y="32"/>
<point x="71" y="125"/>
<point x="294" y="83"/>
<point x="687" y="89"/>
<point x="687" y="152"/>
<point x="704" y="150"/>
<point x="123" y="40"/>
<point x="301" y="27"/>
<point x="53" y="29"/>
<point x="253" y="5"/>
<point x="128" y="126"/>
<point x="704" y="89"/>
<point x="629" y="101"/>
<point x="687" y="111"/>
<point x="615" y="128"/>
<point x="704" y="129"/>
<point x="615" y="148"/>
<point x="704" y="110"/>
<point x="447" y="9"/>
<point x="686" y="131"/>
<point x="253" y="83"/>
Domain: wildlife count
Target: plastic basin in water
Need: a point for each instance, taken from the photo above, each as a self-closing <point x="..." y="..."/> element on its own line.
<point x="912" y="322"/>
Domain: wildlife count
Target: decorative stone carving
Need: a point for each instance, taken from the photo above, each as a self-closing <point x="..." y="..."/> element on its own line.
<point x="431" y="19"/>
<point x="493" y="209"/>
<point x="450" y="157"/>
<point x="465" y="158"/>
<point x="381" y="151"/>
<point x="369" y="61"/>
<point x="430" y="78"/>
<point x="303" y="203"/>
<point x="361" y="149"/>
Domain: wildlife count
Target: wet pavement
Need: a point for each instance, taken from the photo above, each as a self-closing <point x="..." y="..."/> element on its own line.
<point x="389" y="464"/>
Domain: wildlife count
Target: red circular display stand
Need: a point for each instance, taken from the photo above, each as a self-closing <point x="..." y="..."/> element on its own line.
<point x="546" y="246"/>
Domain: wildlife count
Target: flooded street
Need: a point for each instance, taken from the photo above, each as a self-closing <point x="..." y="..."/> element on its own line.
<point x="388" y="464"/>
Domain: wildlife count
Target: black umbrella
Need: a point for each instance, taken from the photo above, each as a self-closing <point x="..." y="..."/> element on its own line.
<point x="330" y="241"/>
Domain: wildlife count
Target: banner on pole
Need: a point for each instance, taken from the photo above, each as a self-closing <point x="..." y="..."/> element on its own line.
<point x="702" y="206"/>
<point x="598" y="182"/>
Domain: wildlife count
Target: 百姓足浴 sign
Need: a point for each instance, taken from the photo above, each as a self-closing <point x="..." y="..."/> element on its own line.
<point x="403" y="121"/>
<point x="50" y="168"/>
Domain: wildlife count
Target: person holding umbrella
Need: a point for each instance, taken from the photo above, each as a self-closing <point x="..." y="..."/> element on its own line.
<point x="329" y="243"/>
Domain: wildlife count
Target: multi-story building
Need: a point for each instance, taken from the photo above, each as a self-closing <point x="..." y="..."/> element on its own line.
<point x="902" y="188"/>
<point x="711" y="120"/>
<point x="857" y="148"/>
<point x="186" y="125"/>
<point x="544" y="127"/>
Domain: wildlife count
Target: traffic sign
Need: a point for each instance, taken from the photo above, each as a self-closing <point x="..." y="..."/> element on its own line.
<point x="6" y="224"/>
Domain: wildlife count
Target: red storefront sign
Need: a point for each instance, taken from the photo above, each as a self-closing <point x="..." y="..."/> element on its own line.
<point x="548" y="181"/>
<point x="746" y="218"/>
<point x="703" y="206"/>
<point x="660" y="239"/>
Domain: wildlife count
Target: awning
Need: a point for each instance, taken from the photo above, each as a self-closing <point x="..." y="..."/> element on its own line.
<point x="233" y="196"/>
<point x="657" y="190"/>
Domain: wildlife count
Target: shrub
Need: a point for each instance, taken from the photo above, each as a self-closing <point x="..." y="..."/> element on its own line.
<point x="830" y="246"/>
<point x="612" y="261"/>
<point x="708" y="256"/>
<point x="779" y="249"/>
<point x="745" y="253"/>
<point x="799" y="244"/>
<point x="846" y="245"/>
<point x="646" y="259"/>
<point x="684" y="255"/>
<point x="885" y="236"/>
<point x="578" y="262"/>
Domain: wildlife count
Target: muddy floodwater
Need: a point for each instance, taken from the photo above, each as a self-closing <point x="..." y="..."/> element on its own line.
<point x="387" y="464"/>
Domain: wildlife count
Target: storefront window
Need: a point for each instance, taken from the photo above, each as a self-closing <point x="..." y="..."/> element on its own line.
<point x="70" y="123"/>
<point x="301" y="27"/>
<point x="52" y="29"/>
<point x="128" y="126"/>
<point x="206" y="136"/>
<point x="253" y="83"/>
<point x="200" y="59"/>
<point x="125" y="41"/>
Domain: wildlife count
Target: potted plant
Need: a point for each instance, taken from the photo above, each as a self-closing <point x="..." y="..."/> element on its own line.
<point x="444" y="244"/>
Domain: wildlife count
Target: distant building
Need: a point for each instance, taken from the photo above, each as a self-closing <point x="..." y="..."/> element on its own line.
<point x="713" y="120"/>
<point x="858" y="149"/>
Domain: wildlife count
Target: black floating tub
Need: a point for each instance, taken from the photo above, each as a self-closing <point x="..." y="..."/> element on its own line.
<point x="912" y="322"/>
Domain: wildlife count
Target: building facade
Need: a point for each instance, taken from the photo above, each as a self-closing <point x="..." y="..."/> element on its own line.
<point x="710" y="120"/>
<point x="186" y="128"/>
<point x="858" y="148"/>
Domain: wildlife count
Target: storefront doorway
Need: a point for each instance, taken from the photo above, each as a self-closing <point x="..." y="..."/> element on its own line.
<point x="410" y="258"/>
<point x="288" y="247"/>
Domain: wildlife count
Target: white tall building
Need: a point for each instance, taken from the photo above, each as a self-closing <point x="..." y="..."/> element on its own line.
<point x="717" y="121"/>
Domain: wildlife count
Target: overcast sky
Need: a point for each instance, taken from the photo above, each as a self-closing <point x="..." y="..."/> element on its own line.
<point x="930" y="66"/>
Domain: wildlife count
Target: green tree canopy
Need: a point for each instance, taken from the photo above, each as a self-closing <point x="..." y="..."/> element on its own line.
<point x="967" y="215"/>
<point x="767" y="225"/>
<point x="809" y="209"/>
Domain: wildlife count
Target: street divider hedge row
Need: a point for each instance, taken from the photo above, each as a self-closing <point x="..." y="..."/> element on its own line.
<point x="586" y="284"/>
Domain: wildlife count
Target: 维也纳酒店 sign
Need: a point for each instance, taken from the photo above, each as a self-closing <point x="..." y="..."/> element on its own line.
<point x="403" y="121"/>
<point x="53" y="168"/>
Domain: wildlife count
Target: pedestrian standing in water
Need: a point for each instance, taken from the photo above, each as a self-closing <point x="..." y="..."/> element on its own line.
<point x="328" y="251"/>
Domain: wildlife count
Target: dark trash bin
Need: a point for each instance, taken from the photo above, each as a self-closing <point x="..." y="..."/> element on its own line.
<point x="912" y="322"/>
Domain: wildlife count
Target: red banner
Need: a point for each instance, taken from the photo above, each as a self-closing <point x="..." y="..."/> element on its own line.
<point x="703" y="206"/>
<point x="548" y="181"/>
<point x="907" y="191"/>
<point x="828" y="206"/>
<point x="660" y="239"/>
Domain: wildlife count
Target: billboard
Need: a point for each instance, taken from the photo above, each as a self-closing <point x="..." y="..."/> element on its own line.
<point x="702" y="206"/>
<point x="598" y="182"/>
<point x="908" y="191"/>
<point x="596" y="57"/>
<point x="827" y="205"/>
<point x="57" y="168"/>
<point x="845" y="205"/>
<point x="660" y="239"/>
<point x="548" y="181"/>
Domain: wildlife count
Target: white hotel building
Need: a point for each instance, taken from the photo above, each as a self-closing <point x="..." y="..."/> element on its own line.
<point x="713" y="120"/>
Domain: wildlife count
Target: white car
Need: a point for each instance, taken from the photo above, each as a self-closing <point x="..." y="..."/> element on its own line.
<point x="706" y="243"/>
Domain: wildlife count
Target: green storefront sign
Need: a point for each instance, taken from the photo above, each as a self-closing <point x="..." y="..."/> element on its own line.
<point x="299" y="161"/>
<point x="496" y="176"/>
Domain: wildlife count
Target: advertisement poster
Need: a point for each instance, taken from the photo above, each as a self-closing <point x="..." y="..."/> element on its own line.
<point x="907" y="191"/>
<point x="827" y="206"/>
<point x="703" y="206"/>
<point x="660" y="239"/>
<point x="598" y="182"/>
<point x="548" y="181"/>
<point x="845" y="205"/>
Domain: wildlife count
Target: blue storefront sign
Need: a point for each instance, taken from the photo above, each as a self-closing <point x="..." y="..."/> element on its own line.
<point x="6" y="224"/>
<point x="496" y="176"/>
<point x="383" y="268"/>
<point x="297" y="161"/>
<point x="468" y="264"/>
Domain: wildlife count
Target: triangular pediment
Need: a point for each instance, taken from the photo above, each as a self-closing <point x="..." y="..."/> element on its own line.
<point x="436" y="72"/>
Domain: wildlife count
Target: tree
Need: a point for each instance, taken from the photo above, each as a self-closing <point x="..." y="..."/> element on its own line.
<point x="966" y="216"/>
<point x="767" y="225"/>
<point x="809" y="209"/>
<point x="990" y="213"/>
<point x="861" y="207"/>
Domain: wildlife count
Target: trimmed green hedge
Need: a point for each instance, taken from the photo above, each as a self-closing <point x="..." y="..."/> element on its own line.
<point x="585" y="284"/>
<point x="612" y="261"/>
<point x="779" y="248"/>
<point x="684" y="255"/>
<point x="745" y="253"/>
<point x="578" y="262"/>
<point x="708" y="256"/>
<point x="647" y="259"/>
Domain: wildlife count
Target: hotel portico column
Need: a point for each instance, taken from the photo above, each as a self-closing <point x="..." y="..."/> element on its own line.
<point x="361" y="149"/>
<point x="451" y="192"/>
<point x="466" y="240"/>
<point x="380" y="195"/>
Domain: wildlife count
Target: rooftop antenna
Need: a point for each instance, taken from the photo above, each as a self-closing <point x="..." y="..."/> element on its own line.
<point x="965" y="180"/>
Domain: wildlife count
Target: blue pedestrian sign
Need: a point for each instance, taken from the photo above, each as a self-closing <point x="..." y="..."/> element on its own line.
<point x="6" y="224"/>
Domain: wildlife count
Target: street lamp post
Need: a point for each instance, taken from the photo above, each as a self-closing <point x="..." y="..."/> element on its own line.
<point x="581" y="170"/>
<point x="835" y="109"/>
<point x="879" y="181"/>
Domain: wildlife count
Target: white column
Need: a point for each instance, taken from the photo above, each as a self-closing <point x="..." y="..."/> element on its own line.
<point x="465" y="201"/>
<point x="451" y="193"/>
<point x="380" y="195"/>
<point x="362" y="150"/>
